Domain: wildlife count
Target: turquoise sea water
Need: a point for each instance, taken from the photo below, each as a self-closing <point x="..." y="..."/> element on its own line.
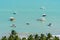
<point x="29" y="11"/>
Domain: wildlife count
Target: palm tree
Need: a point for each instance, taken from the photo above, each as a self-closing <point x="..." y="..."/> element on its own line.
<point x="30" y="37"/>
<point x="42" y="37"/>
<point x="24" y="38"/>
<point x="48" y="36"/>
<point x="11" y="37"/>
<point x="36" y="37"/>
<point x="56" y="38"/>
<point x="4" y="38"/>
<point x="17" y="38"/>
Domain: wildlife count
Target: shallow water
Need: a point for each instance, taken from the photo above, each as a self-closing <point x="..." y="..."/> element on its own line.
<point x="27" y="11"/>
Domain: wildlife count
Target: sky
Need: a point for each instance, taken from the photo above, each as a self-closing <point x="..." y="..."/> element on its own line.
<point x="27" y="11"/>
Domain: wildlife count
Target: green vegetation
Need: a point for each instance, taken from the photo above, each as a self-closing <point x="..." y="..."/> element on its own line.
<point x="14" y="36"/>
